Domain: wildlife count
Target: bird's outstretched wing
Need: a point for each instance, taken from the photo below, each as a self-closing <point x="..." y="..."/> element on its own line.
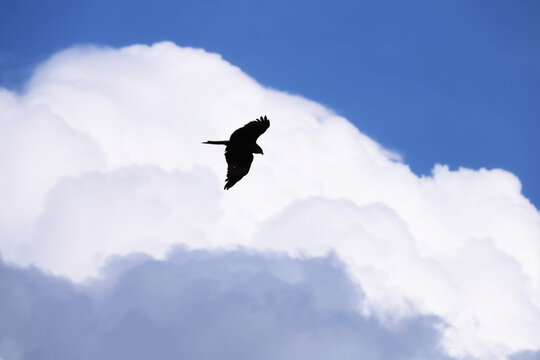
<point x="238" y="164"/>
<point x="251" y="131"/>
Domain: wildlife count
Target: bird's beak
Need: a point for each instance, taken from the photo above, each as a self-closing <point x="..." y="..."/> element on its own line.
<point x="262" y="152"/>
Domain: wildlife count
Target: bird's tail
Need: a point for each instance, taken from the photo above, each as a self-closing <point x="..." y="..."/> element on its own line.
<point x="224" y="142"/>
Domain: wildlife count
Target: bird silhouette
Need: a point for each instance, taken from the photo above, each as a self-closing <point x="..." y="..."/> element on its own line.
<point x="240" y="149"/>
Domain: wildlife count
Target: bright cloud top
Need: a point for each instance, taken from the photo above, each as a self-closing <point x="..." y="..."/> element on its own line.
<point x="103" y="157"/>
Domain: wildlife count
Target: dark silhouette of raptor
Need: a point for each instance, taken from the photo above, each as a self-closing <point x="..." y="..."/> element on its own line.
<point x="240" y="149"/>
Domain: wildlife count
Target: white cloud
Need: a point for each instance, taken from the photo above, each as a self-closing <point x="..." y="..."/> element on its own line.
<point x="104" y="158"/>
<point x="202" y="305"/>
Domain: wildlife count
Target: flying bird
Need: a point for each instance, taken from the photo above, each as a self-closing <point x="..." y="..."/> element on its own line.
<point x="240" y="149"/>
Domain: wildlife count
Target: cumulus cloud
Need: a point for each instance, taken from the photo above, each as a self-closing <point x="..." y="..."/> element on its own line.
<point x="202" y="305"/>
<point x="104" y="159"/>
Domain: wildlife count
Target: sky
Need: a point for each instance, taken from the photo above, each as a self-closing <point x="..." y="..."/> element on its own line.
<point x="440" y="82"/>
<point x="396" y="200"/>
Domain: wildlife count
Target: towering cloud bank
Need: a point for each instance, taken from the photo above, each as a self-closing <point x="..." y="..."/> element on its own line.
<point x="101" y="156"/>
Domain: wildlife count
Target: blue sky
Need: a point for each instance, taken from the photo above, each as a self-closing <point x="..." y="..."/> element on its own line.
<point x="450" y="82"/>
